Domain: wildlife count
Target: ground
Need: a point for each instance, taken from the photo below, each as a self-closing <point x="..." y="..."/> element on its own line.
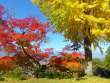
<point x="86" y="79"/>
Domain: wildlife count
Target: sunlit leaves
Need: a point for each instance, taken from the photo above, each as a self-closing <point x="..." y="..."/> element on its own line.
<point x="72" y="18"/>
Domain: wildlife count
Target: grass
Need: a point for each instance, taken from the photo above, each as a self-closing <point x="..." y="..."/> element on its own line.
<point x="86" y="79"/>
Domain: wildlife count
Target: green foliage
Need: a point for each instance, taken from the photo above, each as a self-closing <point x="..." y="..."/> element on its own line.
<point x="97" y="63"/>
<point x="102" y="67"/>
<point x="92" y="79"/>
<point x="16" y="73"/>
<point x="2" y="77"/>
<point x="107" y="60"/>
<point x="105" y="64"/>
<point x="44" y="72"/>
<point x="55" y="74"/>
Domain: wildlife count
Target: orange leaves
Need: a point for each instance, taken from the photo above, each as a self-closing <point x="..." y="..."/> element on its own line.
<point x="76" y="54"/>
<point x="68" y="60"/>
<point x="72" y="55"/>
<point x="26" y="39"/>
<point x="7" y="63"/>
<point x="30" y="29"/>
<point x="2" y="35"/>
<point x="7" y="58"/>
<point x="22" y="23"/>
<point x="30" y="51"/>
<point x="10" y="48"/>
<point x="44" y="55"/>
<point x="64" y="62"/>
<point x="35" y="26"/>
<point x="73" y="65"/>
<point x="18" y="36"/>
<point x="31" y="23"/>
<point x="30" y="37"/>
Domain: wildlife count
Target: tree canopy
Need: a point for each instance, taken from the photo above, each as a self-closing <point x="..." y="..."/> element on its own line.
<point x="74" y="18"/>
<point x="17" y="33"/>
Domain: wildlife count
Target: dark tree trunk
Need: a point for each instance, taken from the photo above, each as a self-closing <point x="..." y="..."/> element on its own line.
<point x="87" y="48"/>
<point x="88" y="56"/>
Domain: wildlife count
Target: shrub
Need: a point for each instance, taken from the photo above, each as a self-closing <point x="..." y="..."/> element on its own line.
<point x="15" y="73"/>
<point x="7" y="63"/>
<point x="103" y="67"/>
<point x="107" y="60"/>
<point x="102" y="72"/>
<point x="43" y="72"/>
<point x="23" y="77"/>
<point x="2" y="77"/>
<point x="55" y="74"/>
<point x="100" y="68"/>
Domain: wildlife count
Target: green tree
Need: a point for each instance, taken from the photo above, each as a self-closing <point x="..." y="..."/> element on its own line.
<point x="81" y="21"/>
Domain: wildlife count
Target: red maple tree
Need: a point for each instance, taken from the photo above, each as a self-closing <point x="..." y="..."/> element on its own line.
<point x="18" y="35"/>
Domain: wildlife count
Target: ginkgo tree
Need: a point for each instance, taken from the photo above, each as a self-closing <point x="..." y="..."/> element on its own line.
<point x="22" y="35"/>
<point x="81" y="21"/>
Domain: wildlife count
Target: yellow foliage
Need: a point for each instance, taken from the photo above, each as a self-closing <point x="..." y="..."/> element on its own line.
<point x="75" y="17"/>
<point x="34" y="1"/>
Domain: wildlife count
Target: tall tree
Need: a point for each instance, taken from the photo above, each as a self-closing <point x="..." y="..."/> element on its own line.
<point x="81" y="21"/>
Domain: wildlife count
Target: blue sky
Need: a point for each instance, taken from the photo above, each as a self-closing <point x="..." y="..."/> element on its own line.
<point x="24" y="8"/>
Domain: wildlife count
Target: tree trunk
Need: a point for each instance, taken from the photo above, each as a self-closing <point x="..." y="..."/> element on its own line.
<point x="75" y="75"/>
<point x="28" y="55"/>
<point x="88" y="56"/>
